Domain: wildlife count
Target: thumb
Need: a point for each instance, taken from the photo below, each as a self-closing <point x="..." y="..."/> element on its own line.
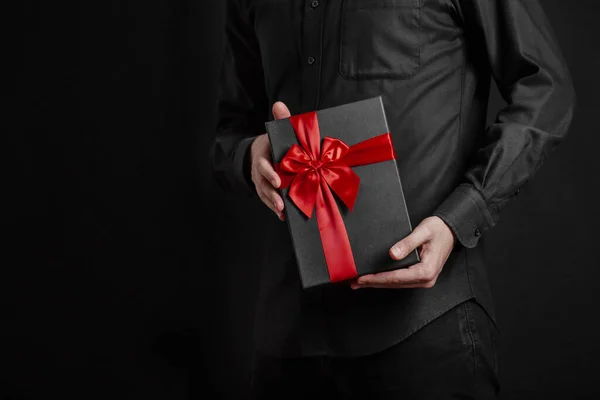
<point x="280" y="110"/>
<point x="409" y="243"/>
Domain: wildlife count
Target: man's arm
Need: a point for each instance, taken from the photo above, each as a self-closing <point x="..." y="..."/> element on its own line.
<point x="242" y="105"/>
<point x="532" y="77"/>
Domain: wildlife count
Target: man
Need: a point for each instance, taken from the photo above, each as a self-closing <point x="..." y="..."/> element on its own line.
<point x="427" y="331"/>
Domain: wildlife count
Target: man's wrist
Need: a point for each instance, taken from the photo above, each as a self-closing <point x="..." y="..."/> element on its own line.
<point x="447" y="228"/>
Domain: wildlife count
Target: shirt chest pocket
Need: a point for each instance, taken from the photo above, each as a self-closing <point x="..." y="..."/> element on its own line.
<point x="380" y="39"/>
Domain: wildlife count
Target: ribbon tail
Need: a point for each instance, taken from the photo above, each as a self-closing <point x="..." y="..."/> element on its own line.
<point x="336" y="244"/>
<point x="303" y="191"/>
<point x="343" y="181"/>
<point x="370" y="151"/>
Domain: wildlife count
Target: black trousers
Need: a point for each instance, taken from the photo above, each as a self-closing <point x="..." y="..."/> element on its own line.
<point x="453" y="357"/>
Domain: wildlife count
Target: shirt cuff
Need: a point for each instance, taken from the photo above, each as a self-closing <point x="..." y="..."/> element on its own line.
<point x="466" y="213"/>
<point x="241" y="165"/>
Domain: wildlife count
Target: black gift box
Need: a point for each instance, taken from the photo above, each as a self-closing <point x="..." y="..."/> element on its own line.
<point x="379" y="218"/>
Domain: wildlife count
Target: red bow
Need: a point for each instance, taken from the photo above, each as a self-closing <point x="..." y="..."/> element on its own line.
<point x="310" y="170"/>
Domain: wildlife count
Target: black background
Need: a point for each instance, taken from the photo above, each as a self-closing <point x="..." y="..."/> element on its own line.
<point x="127" y="274"/>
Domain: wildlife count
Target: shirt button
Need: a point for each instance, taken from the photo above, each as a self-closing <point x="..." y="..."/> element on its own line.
<point x="314" y="4"/>
<point x="311" y="60"/>
<point x="517" y="192"/>
<point x="477" y="232"/>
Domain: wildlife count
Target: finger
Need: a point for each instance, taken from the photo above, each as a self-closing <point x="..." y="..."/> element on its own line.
<point x="265" y="199"/>
<point x="265" y="169"/>
<point x="426" y="285"/>
<point x="404" y="247"/>
<point x="274" y="197"/>
<point x="271" y="199"/>
<point x="418" y="275"/>
<point x="280" y="110"/>
<point x="415" y="274"/>
<point x="429" y="284"/>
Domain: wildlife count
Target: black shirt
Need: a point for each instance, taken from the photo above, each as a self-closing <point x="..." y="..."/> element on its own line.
<point x="432" y="62"/>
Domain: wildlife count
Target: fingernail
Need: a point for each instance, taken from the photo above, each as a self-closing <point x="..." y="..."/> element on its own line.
<point x="396" y="252"/>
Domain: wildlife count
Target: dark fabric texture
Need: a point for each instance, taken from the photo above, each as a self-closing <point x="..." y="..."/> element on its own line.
<point x="454" y="357"/>
<point x="432" y="62"/>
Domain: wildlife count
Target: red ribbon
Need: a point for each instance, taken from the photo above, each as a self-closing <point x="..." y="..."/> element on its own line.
<point x="311" y="169"/>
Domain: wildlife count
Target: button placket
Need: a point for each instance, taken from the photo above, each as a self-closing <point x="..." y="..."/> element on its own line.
<point x="311" y="35"/>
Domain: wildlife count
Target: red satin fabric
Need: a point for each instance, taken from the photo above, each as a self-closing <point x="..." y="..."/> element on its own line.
<point x="311" y="170"/>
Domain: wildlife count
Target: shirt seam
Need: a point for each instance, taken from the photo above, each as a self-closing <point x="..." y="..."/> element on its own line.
<point x="472" y="337"/>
